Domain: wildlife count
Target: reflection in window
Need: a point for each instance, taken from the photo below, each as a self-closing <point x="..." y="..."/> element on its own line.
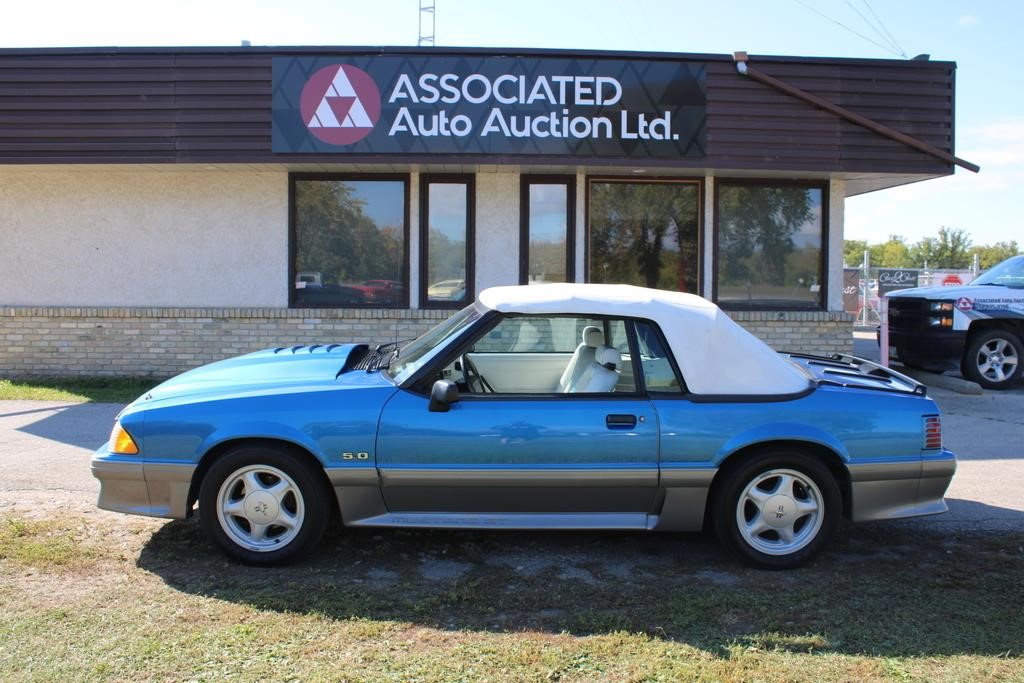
<point x="769" y="246"/>
<point x="546" y="230"/>
<point x="654" y="359"/>
<point x="446" y="241"/>
<point x="349" y="243"/>
<point x="645" y="233"/>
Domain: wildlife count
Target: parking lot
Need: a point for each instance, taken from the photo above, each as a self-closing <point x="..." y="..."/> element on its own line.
<point x="91" y="594"/>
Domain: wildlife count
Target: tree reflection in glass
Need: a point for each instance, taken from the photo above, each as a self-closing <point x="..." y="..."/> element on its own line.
<point x="349" y="242"/>
<point x="645" y="233"/>
<point x="769" y="245"/>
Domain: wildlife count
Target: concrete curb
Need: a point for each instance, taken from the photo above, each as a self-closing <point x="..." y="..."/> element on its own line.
<point x="957" y="384"/>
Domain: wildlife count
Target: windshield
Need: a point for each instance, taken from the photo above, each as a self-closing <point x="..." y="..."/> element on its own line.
<point x="1009" y="273"/>
<point x="416" y="353"/>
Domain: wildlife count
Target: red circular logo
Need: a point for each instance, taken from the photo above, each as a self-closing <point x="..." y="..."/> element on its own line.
<point x="340" y="104"/>
<point x="964" y="304"/>
<point x="951" y="281"/>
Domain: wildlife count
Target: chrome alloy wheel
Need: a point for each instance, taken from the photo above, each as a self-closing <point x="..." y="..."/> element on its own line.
<point x="779" y="512"/>
<point x="260" y="508"/>
<point x="996" y="360"/>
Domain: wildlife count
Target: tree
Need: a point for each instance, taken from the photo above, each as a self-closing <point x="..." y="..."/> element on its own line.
<point x="951" y="249"/>
<point x="991" y="254"/>
<point x="892" y="254"/>
<point x="853" y="252"/>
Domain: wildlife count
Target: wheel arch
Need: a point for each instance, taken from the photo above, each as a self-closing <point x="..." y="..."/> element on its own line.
<point x="986" y="324"/>
<point x="830" y="458"/>
<point x="219" y="449"/>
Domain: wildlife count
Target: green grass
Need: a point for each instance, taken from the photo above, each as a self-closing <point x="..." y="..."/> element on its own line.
<point x="155" y="602"/>
<point x="45" y="544"/>
<point x="78" y="389"/>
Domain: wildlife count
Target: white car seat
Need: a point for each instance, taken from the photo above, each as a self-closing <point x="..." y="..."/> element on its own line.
<point x="601" y="376"/>
<point x="582" y="357"/>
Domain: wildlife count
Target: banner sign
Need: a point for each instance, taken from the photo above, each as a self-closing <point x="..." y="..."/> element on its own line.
<point x="483" y="104"/>
<point x="892" y="279"/>
<point x="851" y="289"/>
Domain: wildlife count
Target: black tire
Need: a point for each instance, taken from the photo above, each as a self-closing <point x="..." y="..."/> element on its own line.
<point x="812" y="534"/>
<point x="980" y="349"/>
<point x="305" y="505"/>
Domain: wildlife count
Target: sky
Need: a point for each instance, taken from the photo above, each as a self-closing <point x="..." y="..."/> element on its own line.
<point x="981" y="37"/>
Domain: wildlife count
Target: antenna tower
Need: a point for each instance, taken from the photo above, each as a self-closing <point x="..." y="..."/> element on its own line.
<point x="426" y="23"/>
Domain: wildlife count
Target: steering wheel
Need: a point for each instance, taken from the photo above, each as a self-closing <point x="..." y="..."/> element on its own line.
<point x="469" y="370"/>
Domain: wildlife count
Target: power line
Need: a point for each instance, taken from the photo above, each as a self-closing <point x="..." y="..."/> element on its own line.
<point x="887" y="48"/>
<point x="878" y="31"/>
<point x="882" y="24"/>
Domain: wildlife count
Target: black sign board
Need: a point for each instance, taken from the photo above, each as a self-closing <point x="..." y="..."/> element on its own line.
<point x="892" y="279"/>
<point x="487" y="105"/>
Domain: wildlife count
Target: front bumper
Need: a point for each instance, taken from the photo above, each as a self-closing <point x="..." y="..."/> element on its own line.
<point x="136" y="487"/>
<point x="939" y="347"/>
<point x="893" y="490"/>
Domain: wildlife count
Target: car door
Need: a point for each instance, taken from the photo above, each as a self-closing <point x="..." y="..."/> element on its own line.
<point x="509" y="453"/>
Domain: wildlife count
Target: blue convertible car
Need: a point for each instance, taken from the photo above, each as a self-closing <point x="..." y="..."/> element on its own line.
<point x="541" y="407"/>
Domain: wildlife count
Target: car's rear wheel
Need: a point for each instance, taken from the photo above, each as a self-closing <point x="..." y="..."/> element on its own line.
<point x="994" y="359"/>
<point x="777" y="509"/>
<point x="263" y="505"/>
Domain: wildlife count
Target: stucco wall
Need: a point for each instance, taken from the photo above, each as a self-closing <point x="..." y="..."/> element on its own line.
<point x="497" y="230"/>
<point x="140" y="237"/>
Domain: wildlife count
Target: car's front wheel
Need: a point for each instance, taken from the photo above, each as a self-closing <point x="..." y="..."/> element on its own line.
<point x="994" y="359"/>
<point x="777" y="509"/>
<point x="263" y="505"/>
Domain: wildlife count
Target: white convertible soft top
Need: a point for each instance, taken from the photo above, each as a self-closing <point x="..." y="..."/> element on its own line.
<point x="715" y="355"/>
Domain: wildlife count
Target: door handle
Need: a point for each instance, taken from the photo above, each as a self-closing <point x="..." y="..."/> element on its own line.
<point x="620" y="421"/>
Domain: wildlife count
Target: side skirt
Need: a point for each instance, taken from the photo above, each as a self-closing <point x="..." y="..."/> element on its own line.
<point x="611" y="521"/>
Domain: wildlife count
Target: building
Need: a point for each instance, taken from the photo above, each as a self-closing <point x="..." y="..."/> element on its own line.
<point x="162" y="208"/>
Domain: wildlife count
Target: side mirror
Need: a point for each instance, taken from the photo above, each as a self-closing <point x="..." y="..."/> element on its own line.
<point x="442" y="395"/>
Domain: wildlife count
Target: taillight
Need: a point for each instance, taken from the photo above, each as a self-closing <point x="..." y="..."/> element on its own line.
<point x="932" y="432"/>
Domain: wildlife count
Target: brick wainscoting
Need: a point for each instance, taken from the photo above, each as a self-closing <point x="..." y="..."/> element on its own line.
<point x="160" y="342"/>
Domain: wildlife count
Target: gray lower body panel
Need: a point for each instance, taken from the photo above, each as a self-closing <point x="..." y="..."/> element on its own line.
<point x="136" y="487"/>
<point x="555" y="520"/>
<point x="893" y="490"/>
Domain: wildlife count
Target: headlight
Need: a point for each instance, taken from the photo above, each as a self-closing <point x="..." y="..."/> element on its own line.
<point x="940" y="306"/>
<point x="940" y="322"/>
<point x="121" y="442"/>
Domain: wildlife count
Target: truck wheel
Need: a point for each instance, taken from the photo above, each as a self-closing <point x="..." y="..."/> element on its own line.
<point x="993" y="359"/>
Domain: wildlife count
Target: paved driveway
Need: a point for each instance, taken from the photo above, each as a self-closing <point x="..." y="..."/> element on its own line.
<point x="45" y="449"/>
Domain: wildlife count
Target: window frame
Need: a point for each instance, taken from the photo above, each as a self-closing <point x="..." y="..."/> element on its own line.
<point x="293" y="179"/>
<point x="810" y="184"/>
<point x="525" y="181"/>
<point x="426" y="180"/>
<point x="691" y="180"/>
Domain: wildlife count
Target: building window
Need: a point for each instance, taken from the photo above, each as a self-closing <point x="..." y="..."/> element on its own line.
<point x="349" y="241"/>
<point x="770" y="241"/>
<point x="644" y="233"/>
<point x="547" y="224"/>
<point x="446" y="240"/>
